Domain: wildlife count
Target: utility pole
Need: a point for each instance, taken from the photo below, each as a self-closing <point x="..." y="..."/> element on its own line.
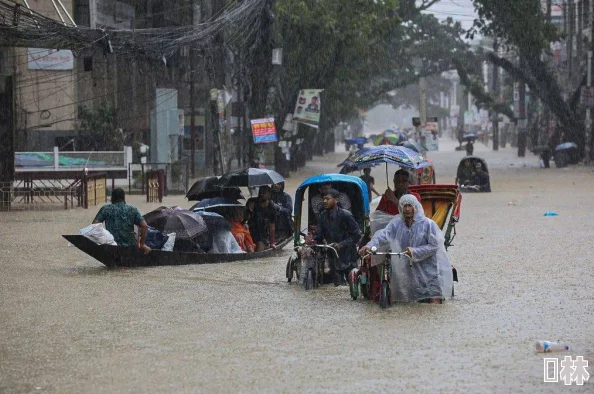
<point x="495" y="115"/>
<point x="571" y="23"/>
<point x="588" y="136"/>
<point x="522" y="122"/>
<point x="423" y="99"/>
<point x="192" y="114"/>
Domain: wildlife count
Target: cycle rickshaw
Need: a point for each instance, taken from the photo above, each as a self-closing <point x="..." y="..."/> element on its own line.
<point x="312" y="264"/>
<point x="441" y="203"/>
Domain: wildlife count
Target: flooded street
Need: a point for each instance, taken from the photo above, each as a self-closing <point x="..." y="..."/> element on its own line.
<point x="69" y="325"/>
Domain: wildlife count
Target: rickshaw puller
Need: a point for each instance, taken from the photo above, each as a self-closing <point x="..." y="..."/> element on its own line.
<point x="430" y="277"/>
<point x="338" y="228"/>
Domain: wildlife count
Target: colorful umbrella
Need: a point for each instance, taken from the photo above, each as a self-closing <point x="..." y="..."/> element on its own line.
<point x="388" y="154"/>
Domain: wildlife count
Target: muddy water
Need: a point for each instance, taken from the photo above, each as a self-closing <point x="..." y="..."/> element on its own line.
<point x="68" y="325"/>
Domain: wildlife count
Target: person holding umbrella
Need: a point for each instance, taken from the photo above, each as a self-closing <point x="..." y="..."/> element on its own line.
<point x="120" y="218"/>
<point x="389" y="201"/>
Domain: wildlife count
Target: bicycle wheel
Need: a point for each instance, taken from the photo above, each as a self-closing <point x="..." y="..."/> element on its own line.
<point x="385" y="295"/>
<point x="290" y="270"/>
<point x="353" y="285"/>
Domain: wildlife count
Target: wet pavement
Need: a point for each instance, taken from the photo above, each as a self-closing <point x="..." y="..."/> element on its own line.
<point x="68" y="325"/>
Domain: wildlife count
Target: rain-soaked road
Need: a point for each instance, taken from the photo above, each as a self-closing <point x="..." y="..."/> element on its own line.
<point x="68" y="325"/>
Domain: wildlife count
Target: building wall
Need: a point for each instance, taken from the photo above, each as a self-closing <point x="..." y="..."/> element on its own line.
<point x="45" y="98"/>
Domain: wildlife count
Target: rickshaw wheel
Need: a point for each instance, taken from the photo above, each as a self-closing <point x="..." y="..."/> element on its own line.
<point x="309" y="280"/>
<point x="290" y="270"/>
<point x="353" y="286"/>
<point x="365" y="291"/>
<point x="384" y="295"/>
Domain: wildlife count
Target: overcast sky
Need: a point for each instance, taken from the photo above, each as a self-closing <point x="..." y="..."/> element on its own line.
<point x="460" y="10"/>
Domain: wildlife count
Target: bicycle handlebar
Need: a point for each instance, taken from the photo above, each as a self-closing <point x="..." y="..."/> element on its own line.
<point x="325" y="246"/>
<point x="400" y="254"/>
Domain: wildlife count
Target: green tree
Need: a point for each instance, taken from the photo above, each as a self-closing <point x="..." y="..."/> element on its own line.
<point x="526" y="34"/>
<point x="98" y="128"/>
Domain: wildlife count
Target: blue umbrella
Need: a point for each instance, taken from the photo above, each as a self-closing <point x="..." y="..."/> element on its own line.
<point x="214" y="221"/>
<point x="388" y="154"/>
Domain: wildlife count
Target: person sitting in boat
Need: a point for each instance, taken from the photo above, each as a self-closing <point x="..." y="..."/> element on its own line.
<point x="120" y="218"/>
<point x="240" y="232"/>
<point x="262" y="221"/>
<point x="284" y="212"/>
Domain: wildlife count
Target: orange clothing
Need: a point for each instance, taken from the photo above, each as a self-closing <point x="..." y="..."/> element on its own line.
<point x="242" y="236"/>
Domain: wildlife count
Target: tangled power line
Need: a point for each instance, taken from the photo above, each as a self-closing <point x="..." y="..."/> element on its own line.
<point x="22" y="27"/>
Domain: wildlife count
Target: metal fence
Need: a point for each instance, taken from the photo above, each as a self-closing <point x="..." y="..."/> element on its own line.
<point x="177" y="176"/>
<point x="41" y="193"/>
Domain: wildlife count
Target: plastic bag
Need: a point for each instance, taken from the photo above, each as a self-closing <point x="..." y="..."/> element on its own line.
<point x="224" y="242"/>
<point x="155" y="239"/>
<point x="168" y="245"/>
<point x="98" y="234"/>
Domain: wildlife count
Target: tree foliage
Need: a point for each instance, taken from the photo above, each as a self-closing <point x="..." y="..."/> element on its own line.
<point x="98" y="128"/>
<point x="359" y="53"/>
<point x="526" y="34"/>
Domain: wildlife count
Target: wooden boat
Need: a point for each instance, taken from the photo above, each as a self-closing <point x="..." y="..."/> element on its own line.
<point x="119" y="256"/>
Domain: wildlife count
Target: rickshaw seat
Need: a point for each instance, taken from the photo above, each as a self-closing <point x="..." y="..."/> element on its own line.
<point x="436" y="210"/>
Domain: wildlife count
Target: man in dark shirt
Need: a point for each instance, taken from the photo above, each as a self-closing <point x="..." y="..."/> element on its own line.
<point x="284" y="212"/>
<point x="370" y="181"/>
<point x="263" y="220"/>
<point x="337" y="227"/>
<point x="120" y="218"/>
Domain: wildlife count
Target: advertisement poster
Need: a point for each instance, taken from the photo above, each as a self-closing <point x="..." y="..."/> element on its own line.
<point x="263" y="130"/>
<point x="49" y="59"/>
<point x="308" y="106"/>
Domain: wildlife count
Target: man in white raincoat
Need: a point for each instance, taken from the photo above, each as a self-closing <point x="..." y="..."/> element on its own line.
<point x="430" y="277"/>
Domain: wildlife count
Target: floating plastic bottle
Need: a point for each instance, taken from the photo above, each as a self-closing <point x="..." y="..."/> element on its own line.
<point x="549" y="346"/>
<point x="551" y="213"/>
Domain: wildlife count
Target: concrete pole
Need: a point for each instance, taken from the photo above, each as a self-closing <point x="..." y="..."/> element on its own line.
<point x="423" y="103"/>
<point x="588" y="114"/>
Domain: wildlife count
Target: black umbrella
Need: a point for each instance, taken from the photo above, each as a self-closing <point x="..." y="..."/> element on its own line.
<point x="209" y="188"/>
<point x="251" y="177"/>
<point x="185" y="224"/>
<point x="217" y="202"/>
<point x="469" y="137"/>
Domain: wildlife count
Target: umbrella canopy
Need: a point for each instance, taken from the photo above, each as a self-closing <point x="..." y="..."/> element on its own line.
<point x="184" y="223"/>
<point x="469" y="137"/>
<point x="251" y="177"/>
<point x="216" y="202"/>
<point x="565" y="146"/>
<point x="210" y="187"/>
<point x="413" y="145"/>
<point x="388" y="154"/>
<point x="214" y="221"/>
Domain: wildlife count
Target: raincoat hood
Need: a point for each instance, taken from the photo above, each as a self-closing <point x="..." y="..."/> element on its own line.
<point x="282" y="188"/>
<point x="410" y="200"/>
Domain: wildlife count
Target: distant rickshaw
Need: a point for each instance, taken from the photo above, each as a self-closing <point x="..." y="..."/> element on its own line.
<point x="473" y="175"/>
<point x="313" y="275"/>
